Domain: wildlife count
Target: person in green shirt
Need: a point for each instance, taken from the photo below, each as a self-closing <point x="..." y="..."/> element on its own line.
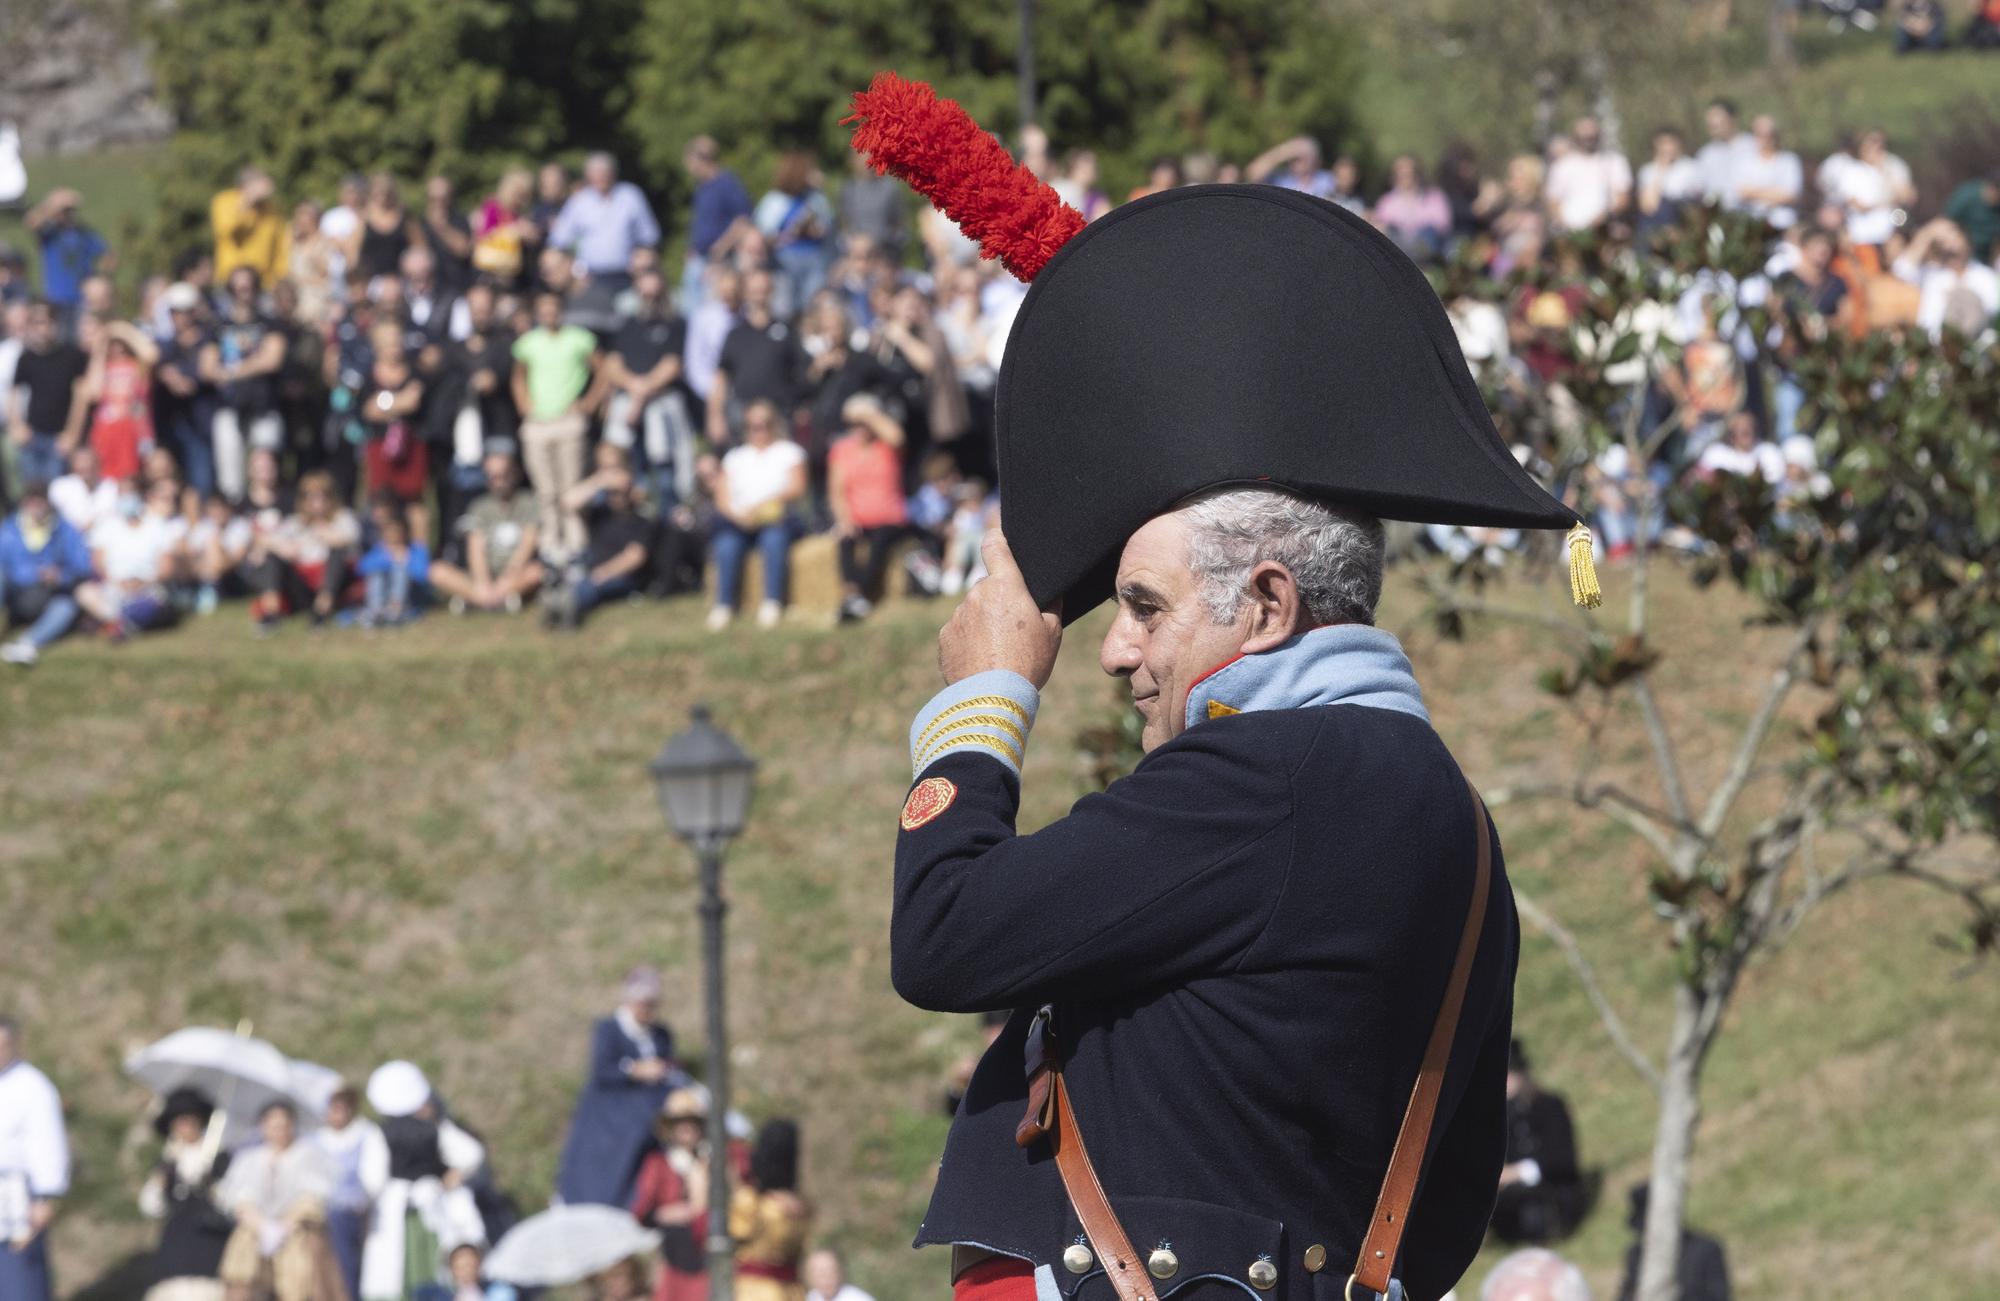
<point x="1975" y="206"/>
<point x="557" y="384"/>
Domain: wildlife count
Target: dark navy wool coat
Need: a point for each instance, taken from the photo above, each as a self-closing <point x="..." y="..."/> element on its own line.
<point x="612" y="1128"/>
<point x="1246" y="941"/>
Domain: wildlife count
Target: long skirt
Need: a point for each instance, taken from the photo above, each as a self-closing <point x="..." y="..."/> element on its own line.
<point x="24" y="1275"/>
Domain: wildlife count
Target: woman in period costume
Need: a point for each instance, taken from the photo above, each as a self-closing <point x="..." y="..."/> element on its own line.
<point x="672" y="1196"/>
<point x="768" y="1219"/>
<point x="631" y="1072"/>
<point x="425" y="1207"/>
<point x="276" y="1190"/>
<point x="180" y="1192"/>
<point x="359" y="1155"/>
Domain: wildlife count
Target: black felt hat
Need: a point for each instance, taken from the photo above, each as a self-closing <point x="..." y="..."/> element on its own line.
<point x="182" y="1102"/>
<point x="1219" y="334"/>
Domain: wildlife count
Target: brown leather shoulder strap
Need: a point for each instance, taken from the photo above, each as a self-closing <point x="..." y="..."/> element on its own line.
<point x="1406" y="1163"/>
<point x="1093" y="1209"/>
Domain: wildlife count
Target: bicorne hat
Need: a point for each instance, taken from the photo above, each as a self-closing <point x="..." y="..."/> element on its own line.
<point x="1200" y="337"/>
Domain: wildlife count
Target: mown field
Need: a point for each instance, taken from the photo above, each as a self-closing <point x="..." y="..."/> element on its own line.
<point x="442" y="844"/>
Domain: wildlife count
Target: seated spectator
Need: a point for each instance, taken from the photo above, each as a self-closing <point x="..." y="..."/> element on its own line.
<point x="1766" y="179"/>
<point x="314" y="262"/>
<point x="396" y="455"/>
<point x="180" y="1191"/>
<point x="45" y="410"/>
<point x="760" y="482"/>
<point x="249" y="229"/>
<point x="84" y="496"/>
<point x="1620" y="490"/>
<point x="647" y="412"/>
<point x="1871" y="188"/>
<point x="218" y="543"/>
<point x="1535" y="1274"/>
<point x="1668" y="182"/>
<point x="1589" y="184"/>
<point x="973" y="512"/>
<point x="1517" y="215"/>
<point x="277" y="1192"/>
<point x="500" y="568"/>
<point x="305" y="563"/>
<point x="1975" y="208"/>
<point x="1077" y="184"/>
<point x="136" y="554"/>
<point x="1295" y="165"/>
<point x="242" y="361"/>
<point x="1412" y="213"/>
<point x="625" y="1281"/>
<point x="1920" y="26"/>
<point x="1541" y="1187"/>
<point x="1741" y="453"/>
<point x="465" y="1265"/>
<point x="1954" y="292"/>
<point x="503" y="231"/>
<point x="865" y="489"/>
<point x="1701" y="1270"/>
<point x="358" y="1156"/>
<point x="825" y="1277"/>
<point x="918" y="370"/>
<point x="709" y="325"/>
<point x="558" y="381"/>
<point x="118" y="389"/>
<point x="43" y="559"/>
<point x="1162" y="174"/>
<point x="615" y="552"/>
<point x="1706" y="383"/>
<point x="1982" y="30"/>
<point x="395" y="572"/>
<point x="375" y="245"/>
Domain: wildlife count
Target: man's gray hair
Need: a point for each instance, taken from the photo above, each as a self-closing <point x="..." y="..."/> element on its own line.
<point x="1334" y="555"/>
<point x="1535" y="1274"/>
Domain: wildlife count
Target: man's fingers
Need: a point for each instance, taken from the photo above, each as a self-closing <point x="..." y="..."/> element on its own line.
<point x="999" y="556"/>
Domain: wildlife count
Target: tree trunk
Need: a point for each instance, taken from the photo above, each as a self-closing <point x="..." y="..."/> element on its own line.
<point x="1673" y="1143"/>
<point x="1778" y="50"/>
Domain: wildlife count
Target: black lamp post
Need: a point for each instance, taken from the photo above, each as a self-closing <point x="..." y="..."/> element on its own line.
<point x="704" y="779"/>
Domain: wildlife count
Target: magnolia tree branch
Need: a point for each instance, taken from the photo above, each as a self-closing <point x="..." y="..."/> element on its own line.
<point x="1614" y="1026"/>
<point x="1635" y="815"/>
<point x="1723" y="798"/>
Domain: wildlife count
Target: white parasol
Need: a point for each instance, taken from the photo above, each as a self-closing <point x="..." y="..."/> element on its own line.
<point x="567" y="1244"/>
<point x="237" y="1073"/>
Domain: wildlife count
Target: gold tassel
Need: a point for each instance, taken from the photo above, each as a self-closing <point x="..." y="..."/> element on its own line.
<point x="1583" y="588"/>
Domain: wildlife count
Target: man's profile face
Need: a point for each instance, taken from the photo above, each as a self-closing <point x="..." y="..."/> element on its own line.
<point x="1162" y="639"/>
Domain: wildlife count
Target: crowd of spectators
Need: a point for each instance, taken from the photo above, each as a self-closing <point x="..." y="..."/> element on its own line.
<point x="359" y="413"/>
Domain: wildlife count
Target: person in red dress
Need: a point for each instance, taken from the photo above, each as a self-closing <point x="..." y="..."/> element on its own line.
<point x="398" y="461"/>
<point x="672" y="1196"/>
<point x="119" y="386"/>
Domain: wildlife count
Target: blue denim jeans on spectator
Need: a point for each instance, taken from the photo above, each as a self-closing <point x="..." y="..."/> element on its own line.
<point x="1787" y="400"/>
<point x="389" y="593"/>
<point x="591" y="594"/>
<point x="1618" y="523"/>
<point x="40" y="459"/>
<point x="192" y="443"/>
<point x="47" y="612"/>
<point x="732" y="544"/>
<point x="24" y="1274"/>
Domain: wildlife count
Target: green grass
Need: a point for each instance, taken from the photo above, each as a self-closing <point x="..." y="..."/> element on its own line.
<point x="443" y="844"/>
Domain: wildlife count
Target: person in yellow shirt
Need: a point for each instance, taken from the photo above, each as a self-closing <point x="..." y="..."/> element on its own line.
<point x="249" y="229"/>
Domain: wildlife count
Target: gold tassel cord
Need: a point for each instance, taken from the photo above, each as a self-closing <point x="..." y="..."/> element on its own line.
<point x="1583" y="588"/>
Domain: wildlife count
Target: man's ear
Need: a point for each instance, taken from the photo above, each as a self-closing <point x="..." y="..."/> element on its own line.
<point x="1275" y="612"/>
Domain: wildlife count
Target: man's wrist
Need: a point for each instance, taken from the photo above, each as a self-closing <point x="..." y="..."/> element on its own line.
<point x="985" y="713"/>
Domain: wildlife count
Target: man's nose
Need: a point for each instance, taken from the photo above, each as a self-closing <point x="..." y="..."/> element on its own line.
<point x="1119" y="654"/>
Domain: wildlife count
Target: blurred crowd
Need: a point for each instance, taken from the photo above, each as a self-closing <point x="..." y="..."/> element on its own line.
<point x="326" y="1192"/>
<point x="358" y="413"/>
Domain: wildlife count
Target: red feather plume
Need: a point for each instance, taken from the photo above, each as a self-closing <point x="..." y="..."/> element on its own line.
<point x="908" y="132"/>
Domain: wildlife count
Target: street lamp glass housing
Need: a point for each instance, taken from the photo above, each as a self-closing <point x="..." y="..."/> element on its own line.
<point x="704" y="779"/>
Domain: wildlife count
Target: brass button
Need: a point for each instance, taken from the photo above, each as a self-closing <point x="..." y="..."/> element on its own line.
<point x="1163" y="1263"/>
<point x="1263" y="1275"/>
<point x="1077" y="1258"/>
<point x="1315" y="1258"/>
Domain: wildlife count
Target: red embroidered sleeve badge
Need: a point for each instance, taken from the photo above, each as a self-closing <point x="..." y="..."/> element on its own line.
<point x="931" y="796"/>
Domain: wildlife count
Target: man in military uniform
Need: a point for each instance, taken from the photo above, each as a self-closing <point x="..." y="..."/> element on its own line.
<point x="1268" y="975"/>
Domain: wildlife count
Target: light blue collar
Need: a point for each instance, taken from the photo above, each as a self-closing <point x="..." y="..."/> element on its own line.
<point x="1340" y="664"/>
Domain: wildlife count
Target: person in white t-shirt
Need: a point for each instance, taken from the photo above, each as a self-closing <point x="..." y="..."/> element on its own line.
<point x="825" y="1278"/>
<point x="1952" y="289"/>
<point x="1717" y="159"/>
<point x="339" y="223"/>
<point x="1740" y="452"/>
<point x="1667" y="181"/>
<point x="754" y="491"/>
<point x="34" y="1169"/>
<point x="1871" y="187"/>
<point x="136" y="552"/>
<point x="84" y="497"/>
<point x="1766" y="179"/>
<point x="1590" y="182"/>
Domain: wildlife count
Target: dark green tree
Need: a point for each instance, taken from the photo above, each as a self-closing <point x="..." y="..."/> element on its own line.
<point x="318" y="88"/>
<point x="1131" y="80"/>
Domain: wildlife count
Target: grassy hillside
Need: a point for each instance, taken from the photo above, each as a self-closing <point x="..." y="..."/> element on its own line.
<point x="442" y="844"/>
